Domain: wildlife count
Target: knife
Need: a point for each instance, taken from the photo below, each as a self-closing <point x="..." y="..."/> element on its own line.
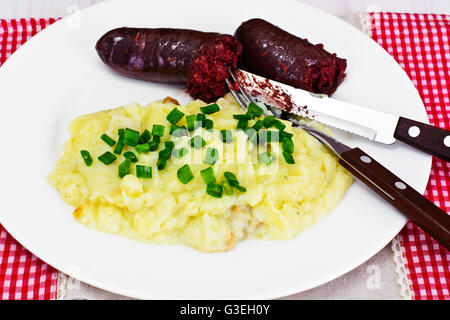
<point x="372" y="124"/>
<point x="399" y="194"/>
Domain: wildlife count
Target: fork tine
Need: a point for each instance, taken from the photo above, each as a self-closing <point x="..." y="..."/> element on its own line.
<point x="241" y="89"/>
<point x="236" y="94"/>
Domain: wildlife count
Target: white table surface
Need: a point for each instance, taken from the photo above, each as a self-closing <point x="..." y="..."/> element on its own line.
<point x="375" y="279"/>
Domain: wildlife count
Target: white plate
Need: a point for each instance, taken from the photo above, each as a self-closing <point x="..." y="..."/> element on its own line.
<point x="57" y="76"/>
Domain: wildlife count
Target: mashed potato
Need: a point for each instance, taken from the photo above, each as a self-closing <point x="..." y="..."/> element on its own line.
<point x="281" y="199"/>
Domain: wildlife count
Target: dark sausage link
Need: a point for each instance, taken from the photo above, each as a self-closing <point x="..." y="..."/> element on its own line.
<point x="276" y="54"/>
<point x="160" y="55"/>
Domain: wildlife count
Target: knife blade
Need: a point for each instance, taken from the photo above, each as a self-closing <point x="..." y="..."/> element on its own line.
<point x="372" y="124"/>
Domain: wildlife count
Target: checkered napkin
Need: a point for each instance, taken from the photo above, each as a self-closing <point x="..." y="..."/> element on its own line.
<point x="420" y="44"/>
<point x="22" y="275"/>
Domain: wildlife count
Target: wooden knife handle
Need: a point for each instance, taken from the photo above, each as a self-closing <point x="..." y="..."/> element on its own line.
<point x="412" y="204"/>
<point x="432" y="140"/>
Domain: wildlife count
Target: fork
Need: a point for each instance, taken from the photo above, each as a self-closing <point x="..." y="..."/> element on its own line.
<point x="398" y="193"/>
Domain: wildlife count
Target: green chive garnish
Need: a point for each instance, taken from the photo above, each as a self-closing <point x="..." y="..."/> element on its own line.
<point x="208" y="175"/>
<point x="212" y="108"/>
<point x="130" y="155"/>
<point x="158" y="130"/>
<point x="279" y="125"/>
<point x="211" y="156"/>
<point x="180" y="153"/>
<point x="226" y="135"/>
<point x="131" y="137"/>
<point x="124" y="168"/>
<point x="227" y="187"/>
<point x="254" y="110"/>
<point x="268" y="121"/>
<point x="161" y="164"/>
<point x="190" y="121"/>
<point x="86" y="157"/>
<point x="201" y="118"/>
<point x="242" y="124"/>
<point x="197" y="142"/>
<point x="287" y="145"/>
<point x="143" y="171"/>
<point x="241" y="117"/>
<point x="119" y="146"/>
<point x="169" y="144"/>
<point x="214" y="190"/>
<point x="266" y="158"/>
<point x="184" y="174"/>
<point x="177" y="131"/>
<point x="209" y="124"/>
<point x="154" y="144"/>
<point x="252" y="135"/>
<point x="107" y="158"/>
<point x="288" y="158"/>
<point x="232" y="180"/>
<point x="109" y="141"/>
<point x="145" y="137"/>
<point x="267" y="136"/>
<point x="142" y="148"/>
<point x="174" y="116"/>
<point x="284" y="134"/>
<point x="258" y="125"/>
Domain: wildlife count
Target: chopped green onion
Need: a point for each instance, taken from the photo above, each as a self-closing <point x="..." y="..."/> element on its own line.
<point x="254" y="110"/>
<point x="214" y="190"/>
<point x="227" y="187"/>
<point x="211" y="156"/>
<point x="109" y="141"/>
<point x="145" y="137"/>
<point x="209" y="124"/>
<point x="107" y="158"/>
<point x="184" y="174"/>
<point x="232" y="180"/>
<point x="190" y="121"/>
<point x="267" y="136"/>
<point x="208" y="175"/>
<point x="268" y="121"/>
<point x="142" y="148"/>
<point x="240" y="188"/>
<point x="131" y="137"/>
<point x="279" y="125"/>
<point x="287" y="145"/>
<point x="241" y="117"/>
<point x="143" y="171"/>
<point x="197" y="142"/>
<point x="119" y="146"/>
<point x="226" y="135"/>
<point x="130" y="155"/>
<point x="252" y="135"/>
<point x="242" y="124"/>
<point x="174" y="116"/>
<point x="286" y="134"/>
<point x="169" y="144"/>
<point x="212" y="108"/>
<point x="124" y="168"/>
<point x="288" y="158"/>
<point x="86" y="157"/>
<point x="180" y="153"/>
<point x="163" y="156"/>
<point x="266" y="158"/>
<point x="158" y="130"/>
<point x="154" y="144"/>
<point x="258" y="125"/>
<point x="177" y="131"/>
<point x="201" y="118"/>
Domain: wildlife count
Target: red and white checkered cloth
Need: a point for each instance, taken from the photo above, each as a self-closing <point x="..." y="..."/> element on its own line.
<point x="22" y="275"/>
<point x="420" y="44"/>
